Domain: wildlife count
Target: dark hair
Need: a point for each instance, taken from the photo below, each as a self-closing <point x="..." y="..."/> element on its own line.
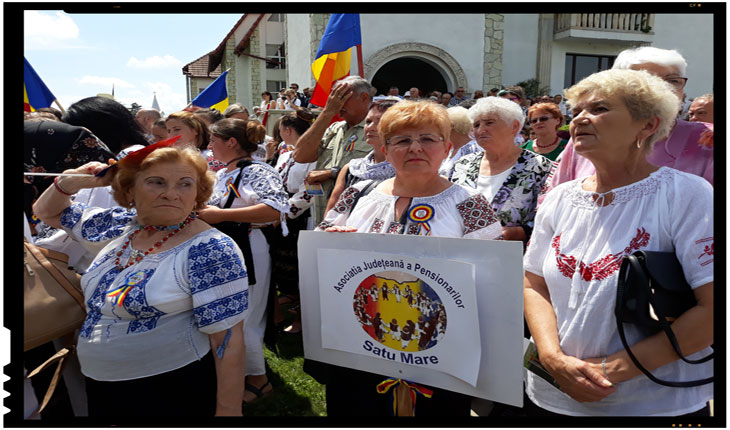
<point x="268" y="94"/>
<point x="247" y="133"/>
<point x="109" y="120"/>
<point x="448" y="92"/>
<point x="299" y="120"/>
<point x="159" y="123"/>
<point x="212" y="115"/>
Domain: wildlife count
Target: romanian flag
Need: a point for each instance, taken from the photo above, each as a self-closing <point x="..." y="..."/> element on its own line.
<point x="333" y="56"/>
<point x="36" y="94"/>
<point x="215" y="96"/>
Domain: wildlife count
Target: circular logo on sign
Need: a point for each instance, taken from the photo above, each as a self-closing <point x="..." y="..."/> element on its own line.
<point x="400" y="311"/>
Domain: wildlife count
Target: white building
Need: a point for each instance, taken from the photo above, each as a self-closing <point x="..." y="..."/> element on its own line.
<point x="270" y="51"/>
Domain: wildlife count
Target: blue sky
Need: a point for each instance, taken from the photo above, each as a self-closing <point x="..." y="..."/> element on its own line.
<point x="81" y="55"/>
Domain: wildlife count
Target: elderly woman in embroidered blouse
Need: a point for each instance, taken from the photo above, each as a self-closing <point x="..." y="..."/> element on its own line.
<point x="583" y="230"/>
<point x="509" y="177"/>
<point x="166" y="293"/>
<point x="373" y="165"/>
<point x="260" y="199"/>
<point x="417" y="201"/>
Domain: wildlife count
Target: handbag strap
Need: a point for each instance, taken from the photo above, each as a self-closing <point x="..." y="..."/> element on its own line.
<point x="57" y="275"/>
<point x="620" y="291"/>
<point x="246" y="245"/>
<point x="665" y="325"/>
<point x="61" y="357"/>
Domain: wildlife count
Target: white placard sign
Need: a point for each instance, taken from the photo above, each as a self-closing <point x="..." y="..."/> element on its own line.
<point x="399" y="308"/>
<point x="469" y="290"/>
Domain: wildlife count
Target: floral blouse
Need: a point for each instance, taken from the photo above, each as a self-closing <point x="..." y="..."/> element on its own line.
<point x="516" y="202"/>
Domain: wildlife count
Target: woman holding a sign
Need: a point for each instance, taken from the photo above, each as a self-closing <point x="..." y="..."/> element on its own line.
<point x="417" y="201"/>
<point x="583" y="231"/>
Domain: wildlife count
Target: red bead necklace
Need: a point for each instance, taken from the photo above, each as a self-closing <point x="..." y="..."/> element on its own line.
<point x="557" y="139"/>
<point x="136" y="256"/>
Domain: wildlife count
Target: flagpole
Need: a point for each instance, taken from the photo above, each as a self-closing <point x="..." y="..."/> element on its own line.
<point x="359" y="61"/>
<point x="191" y="102"/>
<point x="59" y="106"/>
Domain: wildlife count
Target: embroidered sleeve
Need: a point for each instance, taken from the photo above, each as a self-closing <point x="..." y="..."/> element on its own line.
<point x="98" y="225"/>
<point x="341" y="211"/>
<point x="480" y="221"/>
<point x="267" y="184"/>
<point x="218" y="284"/>
<point x="692" y="229"/>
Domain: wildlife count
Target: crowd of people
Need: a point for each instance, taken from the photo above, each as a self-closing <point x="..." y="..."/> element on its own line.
<point x="188" y="242"/>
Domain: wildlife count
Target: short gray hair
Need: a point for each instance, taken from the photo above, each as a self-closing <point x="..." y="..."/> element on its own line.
<point x="460" y="120"/>
<point x="506" y="110"/>
<point x="359" y="85"/>
<point x="650" y="54"/>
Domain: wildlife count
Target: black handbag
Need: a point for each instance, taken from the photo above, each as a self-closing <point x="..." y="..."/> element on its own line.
<point x="238" y="231"/>
<point x="651" y="289"/>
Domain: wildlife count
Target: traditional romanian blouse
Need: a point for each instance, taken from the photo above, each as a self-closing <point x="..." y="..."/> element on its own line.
<point x="457" y="212"/>
<point x="259" y="184"/>
<point x="578" y="246"/>
<point x="154" y="316"/>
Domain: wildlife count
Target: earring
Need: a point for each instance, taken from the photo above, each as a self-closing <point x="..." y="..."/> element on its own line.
<point x="638" y="143"/>
<point x="131" y="204"/>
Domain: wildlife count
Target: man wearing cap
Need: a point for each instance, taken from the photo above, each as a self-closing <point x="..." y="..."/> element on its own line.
<point x="334" y="145"/>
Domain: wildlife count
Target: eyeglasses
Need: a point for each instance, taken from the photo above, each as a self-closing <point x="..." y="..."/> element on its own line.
<point x="426" y="141"/>
<point x="541" y="119"/>
<point x="676" y="81"/>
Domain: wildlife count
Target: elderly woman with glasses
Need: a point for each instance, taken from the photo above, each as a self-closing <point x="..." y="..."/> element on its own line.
<point x="417" y="201"/>
<point x="688" y="146"/>
<point x="585" y="228"/>
<point x="509" y="177"/>
<point x="545" y="119"/>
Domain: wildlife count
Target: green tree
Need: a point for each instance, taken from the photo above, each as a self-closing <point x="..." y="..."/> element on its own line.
<point x="532" y="88"/>
<point x="135" y="108"/>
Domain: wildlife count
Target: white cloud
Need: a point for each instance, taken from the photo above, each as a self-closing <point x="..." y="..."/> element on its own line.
<point x="44" y="31"/>
<point x="154" y="62"/>
<point x="169" y="100"/>
<point x="104" y="82"/>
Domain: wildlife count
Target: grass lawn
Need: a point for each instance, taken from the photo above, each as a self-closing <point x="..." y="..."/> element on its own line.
<point x="295" y="392"/>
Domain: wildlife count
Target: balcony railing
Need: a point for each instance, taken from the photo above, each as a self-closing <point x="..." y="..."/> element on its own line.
<point x="617" y="22"/>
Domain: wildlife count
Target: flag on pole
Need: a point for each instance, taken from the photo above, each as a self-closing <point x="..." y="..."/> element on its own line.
<point x="333" y="56"/>
<point x="214" y="96"/>
<point x="36" y="94"/>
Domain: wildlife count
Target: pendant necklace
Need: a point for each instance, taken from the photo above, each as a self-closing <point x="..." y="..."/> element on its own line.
<point x="135" y="256"/>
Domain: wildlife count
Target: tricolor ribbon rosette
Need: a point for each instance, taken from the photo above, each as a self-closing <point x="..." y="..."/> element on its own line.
<point x="351" y="144"/>
<point x="415" y="389"/>
<point x="422" y="214"/>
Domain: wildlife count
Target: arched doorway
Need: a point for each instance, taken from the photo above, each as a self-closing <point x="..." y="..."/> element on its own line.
<point x="408" y="72"/>
<point x="414" y="64"/>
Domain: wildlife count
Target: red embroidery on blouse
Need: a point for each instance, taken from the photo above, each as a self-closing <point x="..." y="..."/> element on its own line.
<point x="599" y="269"/>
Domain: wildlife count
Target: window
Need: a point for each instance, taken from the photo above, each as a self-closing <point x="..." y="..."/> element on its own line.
<point x="276" y="53"/>
<point x="578" y="66"/>
<point x="276" y="17"/>
<point x="274" y="87"/>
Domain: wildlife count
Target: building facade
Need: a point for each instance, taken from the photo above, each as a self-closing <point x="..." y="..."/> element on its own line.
<point x="270" y="51"/>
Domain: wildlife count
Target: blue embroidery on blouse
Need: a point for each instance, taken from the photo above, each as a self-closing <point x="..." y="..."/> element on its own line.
<point x="106" y="225"/>
<point x="219" y="310"/>
<point x="96" y="301"/>
<point x="72" y="214"/>
<point x="214" y="263"/>
<point x="135" y="302"/>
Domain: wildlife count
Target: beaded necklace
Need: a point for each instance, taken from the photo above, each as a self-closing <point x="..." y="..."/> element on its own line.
<point x="557" y="139"/>
<point x="136" y="256"/>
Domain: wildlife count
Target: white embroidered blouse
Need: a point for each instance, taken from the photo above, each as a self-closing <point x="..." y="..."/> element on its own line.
<point x="578" y="246"/>
<point x="457" y="212"/>
<point x="154" y="316"/>
<point x="259" y="184"/>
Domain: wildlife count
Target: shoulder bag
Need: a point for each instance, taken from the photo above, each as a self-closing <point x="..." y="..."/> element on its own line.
<point x="651" y="290"/>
